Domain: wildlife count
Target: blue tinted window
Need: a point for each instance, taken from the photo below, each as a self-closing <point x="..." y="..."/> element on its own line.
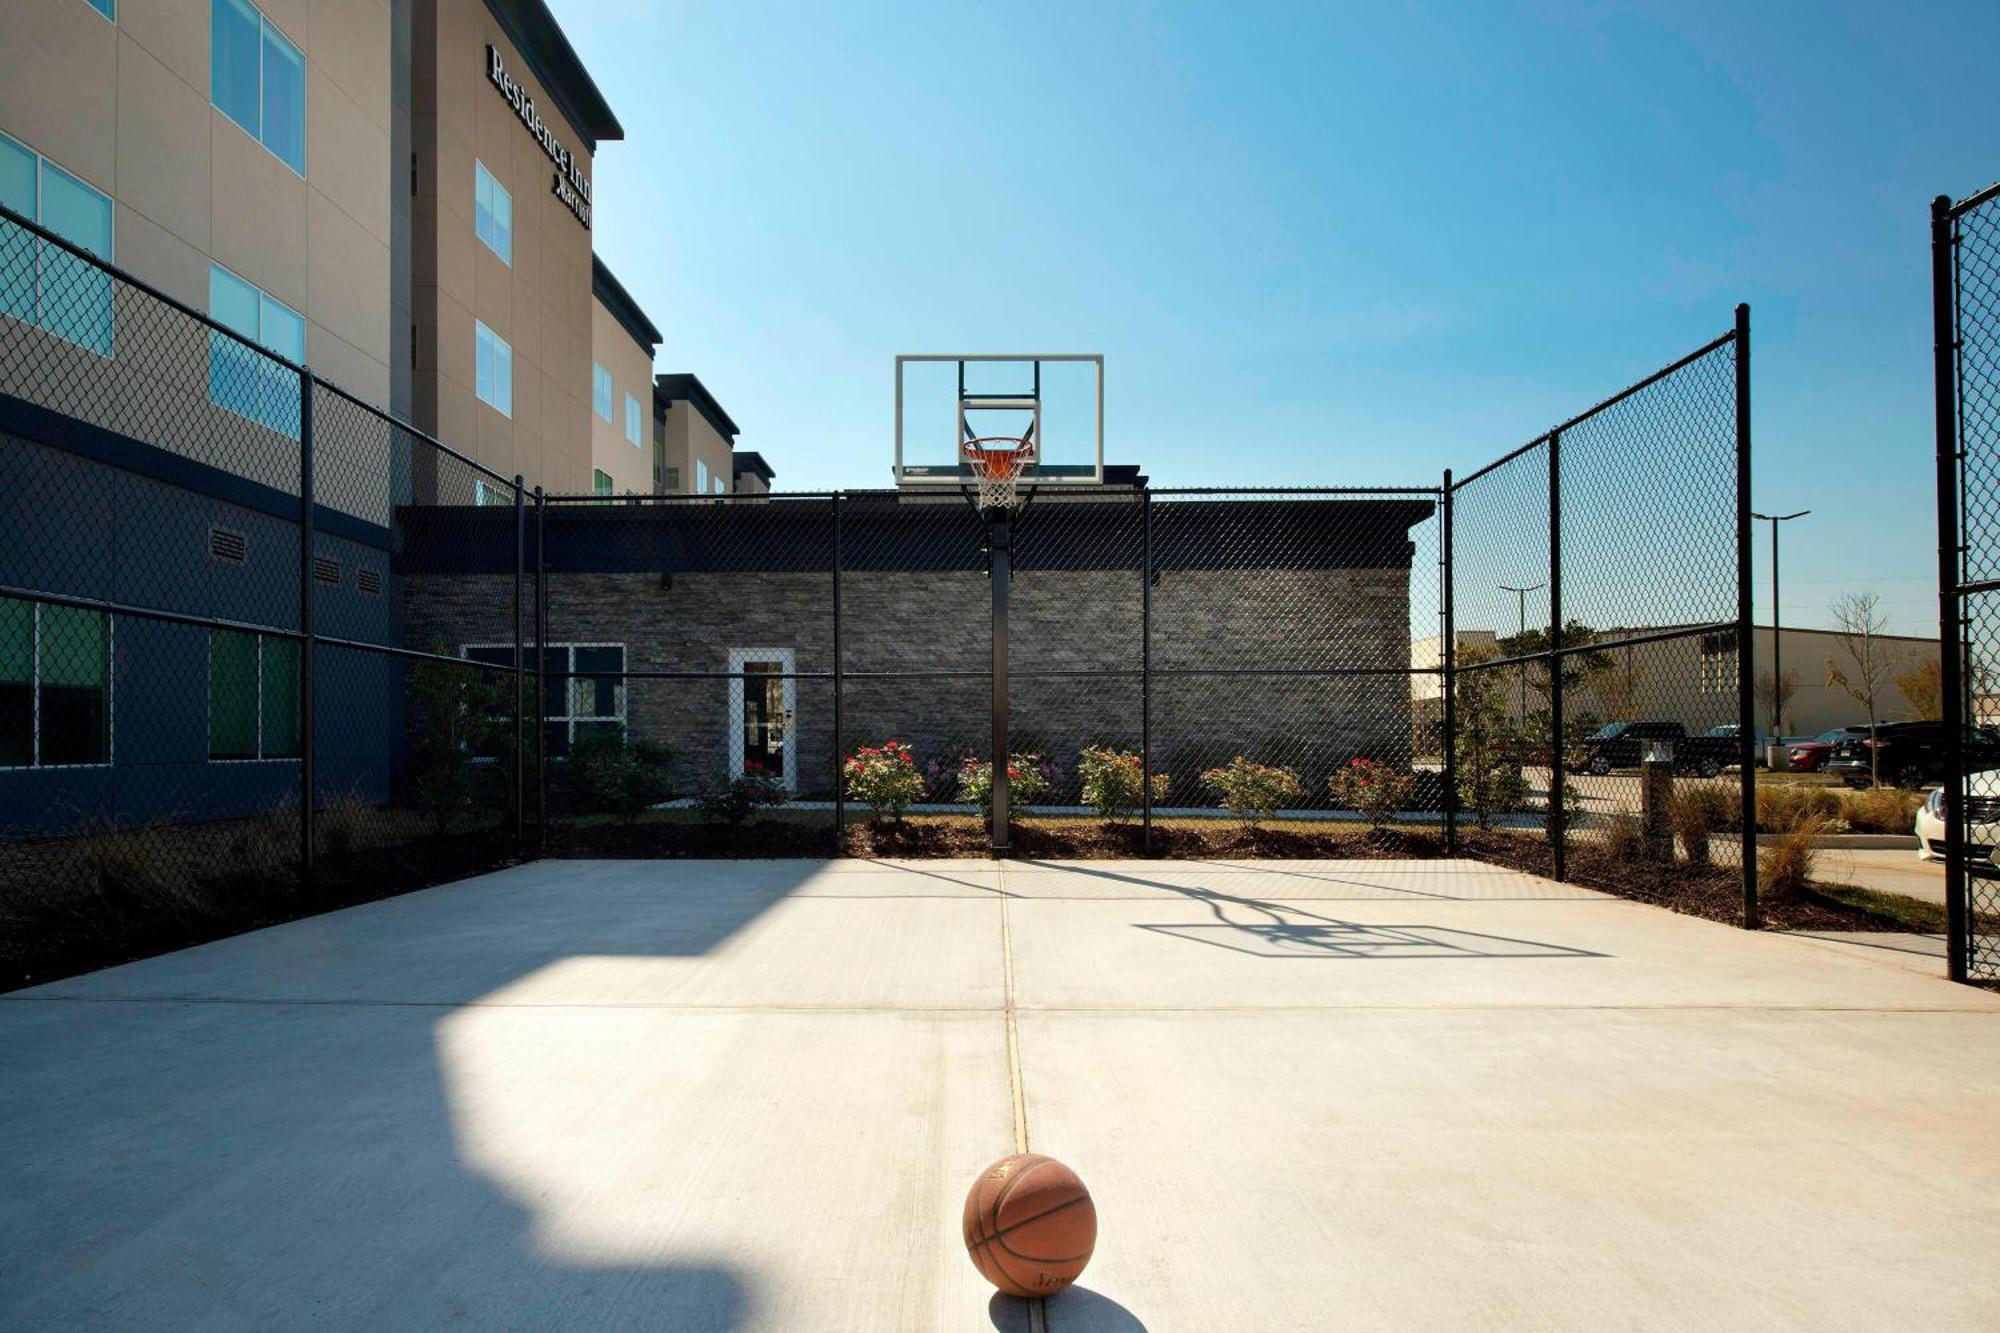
<point x="493" y="369"/>
<point x="600" y="390"/>
<point x="632" y="419"/>
<point x="44" y="283"/>
<point x="242" y="379"/>
<point x="492" y="212"/>
<point x="108" y="8"/>
<point x="257" y="78"/>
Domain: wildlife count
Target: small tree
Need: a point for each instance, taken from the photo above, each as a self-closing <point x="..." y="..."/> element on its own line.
<point x="1487" y="747"/>
<point x="1775" y="697"/>
<point x="1859" y="621"/>
<point x="455" y="717"/>
<point x="1113" y="782"/>
<point x="1924" y="689"/>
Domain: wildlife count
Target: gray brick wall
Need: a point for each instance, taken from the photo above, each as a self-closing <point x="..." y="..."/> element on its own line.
<point x="1230" y="620"/>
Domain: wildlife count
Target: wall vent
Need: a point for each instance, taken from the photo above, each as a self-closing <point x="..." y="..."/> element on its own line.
<point x="368" y="580"/>
<point x="326" y="570"/>
<point x="229" y="547"/>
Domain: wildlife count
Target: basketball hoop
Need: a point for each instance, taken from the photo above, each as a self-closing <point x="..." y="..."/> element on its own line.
<point x="999" y="462"/>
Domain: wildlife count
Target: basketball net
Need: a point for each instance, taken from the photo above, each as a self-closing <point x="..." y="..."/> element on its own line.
<point x="998" y="462"/>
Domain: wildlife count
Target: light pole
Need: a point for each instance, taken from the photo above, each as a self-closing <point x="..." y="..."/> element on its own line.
<point x="1777" y="626"/>
<point x="1520" y="632"/>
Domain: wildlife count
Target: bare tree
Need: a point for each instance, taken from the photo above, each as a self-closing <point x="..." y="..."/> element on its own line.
<point x="1775" y="696"/>
<point x="1860" y="622"/>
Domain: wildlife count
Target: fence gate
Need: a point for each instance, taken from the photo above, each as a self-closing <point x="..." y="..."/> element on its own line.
<point x="1965" y="291"/>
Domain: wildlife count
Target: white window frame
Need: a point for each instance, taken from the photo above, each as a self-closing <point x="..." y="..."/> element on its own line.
<point x="35" y="698"/>
<point x="505" y="256"/>
<point x="570" y="717"/>
<point x="43" y="162"/>
<point x="600" y="378"/>
<point x="305" y="91"/>
<point x="480" y="326"/>
<point x="634" y="430"/>
<point x="208" y="694"/>
<point x="739" y="660"/>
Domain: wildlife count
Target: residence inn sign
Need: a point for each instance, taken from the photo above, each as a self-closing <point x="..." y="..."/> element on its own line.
<point x="570" y="185"/>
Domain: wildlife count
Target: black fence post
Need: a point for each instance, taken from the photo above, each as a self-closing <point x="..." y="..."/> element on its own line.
<point x="839" y="687"/>
<point x="1146" y="673"/>
<point x="1000" y="540"/>
<point x="1448" y="656"/>
<point x="308" y="779"/>
<point x="1746" y="648"/>
<point x="1951" y="576"/>
<point x="1558" y="833"/>
<point x="520" y="664"/>
<point x="541" y="672"/>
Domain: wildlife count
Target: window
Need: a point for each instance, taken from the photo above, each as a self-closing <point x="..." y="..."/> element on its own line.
<point x="633" y="431"/>
<point x="493" y="369"/>
<point x="258" y="79"/>
<point x="700" y="477"/>
<point x="108" y="8"/>
<point x="55" y="685"/>
<point x="253" y="696"/>
<point x="241" y="379"/>
<point x="600" y="390"/>
<point x="488" y="493"/>
<point x="600" y="482"/>
<point x="719" y="488"/>
<point x="492" y="213"/>
<point x="761" y="704"/>
<point x="572" y="706"/>
<point x="42" y="283"/>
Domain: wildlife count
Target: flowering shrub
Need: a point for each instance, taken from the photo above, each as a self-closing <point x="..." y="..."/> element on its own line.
<point x="1111" y="782"/>
<point x="1252" y="791"/>
<point x="941" y="770"/>
<point x="733" y="801"/>
<point x="1376" y="790"/>
<point x="884" y="778"/>
<point x="1025" y="780"/>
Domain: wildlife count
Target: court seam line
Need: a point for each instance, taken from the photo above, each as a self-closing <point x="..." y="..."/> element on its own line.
<point x="1038" y="1312"/>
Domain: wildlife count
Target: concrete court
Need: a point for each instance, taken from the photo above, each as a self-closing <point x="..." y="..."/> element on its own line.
<point x="750" y="1095"/>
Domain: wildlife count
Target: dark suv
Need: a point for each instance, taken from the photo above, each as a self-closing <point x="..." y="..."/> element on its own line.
<point x="1908" y="754"/>
<point x="1617" y="745"/>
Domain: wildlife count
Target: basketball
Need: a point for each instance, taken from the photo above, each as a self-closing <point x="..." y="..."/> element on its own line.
<point x="1029" y="1225"/>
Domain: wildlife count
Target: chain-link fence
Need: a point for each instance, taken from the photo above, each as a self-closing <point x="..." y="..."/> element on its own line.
<point x="210" y="714"/>
<point x="1600" y="682"/>
<point x="1965" y="286"/>
<point x="264" y="648"/>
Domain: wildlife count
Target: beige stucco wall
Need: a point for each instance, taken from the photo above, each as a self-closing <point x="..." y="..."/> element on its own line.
<point x="541" y="304"/>
<point x="125" y="107"/>
<point x="688" y="438"/>
<point x="629" y="466"/>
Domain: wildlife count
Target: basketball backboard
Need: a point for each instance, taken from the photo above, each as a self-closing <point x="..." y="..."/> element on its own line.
<point x="944" y="399"/>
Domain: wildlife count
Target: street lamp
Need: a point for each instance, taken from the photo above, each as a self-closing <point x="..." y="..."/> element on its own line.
<point x="1777" y="626"/>
<point x="1520" y="631"/>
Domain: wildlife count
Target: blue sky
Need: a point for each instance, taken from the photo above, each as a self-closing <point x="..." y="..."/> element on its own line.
<point x="1317" y="244"/>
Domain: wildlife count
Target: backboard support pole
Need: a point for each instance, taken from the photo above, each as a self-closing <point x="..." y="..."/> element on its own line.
<point x="999" y="543"/>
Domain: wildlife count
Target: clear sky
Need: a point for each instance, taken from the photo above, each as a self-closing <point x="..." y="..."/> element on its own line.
<point x="1317" y="244"/>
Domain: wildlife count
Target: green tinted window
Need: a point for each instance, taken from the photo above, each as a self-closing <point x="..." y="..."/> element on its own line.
<point x="280" y="710"/>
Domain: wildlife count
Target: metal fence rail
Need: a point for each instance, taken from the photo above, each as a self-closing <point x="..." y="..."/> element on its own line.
<point x="1965" y="304"/>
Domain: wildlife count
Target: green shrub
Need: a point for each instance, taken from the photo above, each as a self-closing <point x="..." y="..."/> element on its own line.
<point x="1376" y="790"/>
<point x="1025" y="781"/>
<point x="1252" y="791"/>
<point x="1114" y="783"/>
<point x="454" y="716"/>
<point x="734" y="801"/>
<point x="607" y="773"/>
<point x="884" y="778"/>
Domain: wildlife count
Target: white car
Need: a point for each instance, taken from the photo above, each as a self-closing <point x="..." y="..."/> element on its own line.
<point x="1982" y="820"/>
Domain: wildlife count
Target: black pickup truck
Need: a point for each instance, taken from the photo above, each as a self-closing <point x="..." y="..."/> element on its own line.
<point x="1618" y="745"/>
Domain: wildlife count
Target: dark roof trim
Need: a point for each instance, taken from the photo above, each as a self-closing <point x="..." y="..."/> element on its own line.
<point x="749" y="460"/>
<point x="684" y="388"/>
<point x="604" y="285"/>
<point x="539" y="38"/>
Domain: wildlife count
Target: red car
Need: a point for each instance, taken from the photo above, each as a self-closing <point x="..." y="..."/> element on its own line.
<point x="1811" y="756"/>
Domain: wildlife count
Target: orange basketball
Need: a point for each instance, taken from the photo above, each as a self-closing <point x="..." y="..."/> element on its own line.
<point x="1029" y="1225"/>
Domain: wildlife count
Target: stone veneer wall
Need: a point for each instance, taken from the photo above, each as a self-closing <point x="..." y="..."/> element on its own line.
<point x="938" y="621"/>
